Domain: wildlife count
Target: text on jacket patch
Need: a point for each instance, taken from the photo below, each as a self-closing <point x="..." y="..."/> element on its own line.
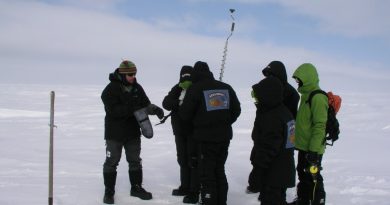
<point x="216" y="99"/>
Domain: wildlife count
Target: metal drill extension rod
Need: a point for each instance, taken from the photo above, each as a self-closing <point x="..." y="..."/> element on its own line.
<point x="226" y="45"/>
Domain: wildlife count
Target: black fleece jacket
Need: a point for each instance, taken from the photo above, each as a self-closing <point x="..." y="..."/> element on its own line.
<point x="120" y="100"/>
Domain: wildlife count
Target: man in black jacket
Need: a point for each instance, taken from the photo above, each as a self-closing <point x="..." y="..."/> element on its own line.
<point x="186" y="147"/>
<point x="211" y="107"/>
<point x="121" y="97"/>
<point x="273" y="153"/>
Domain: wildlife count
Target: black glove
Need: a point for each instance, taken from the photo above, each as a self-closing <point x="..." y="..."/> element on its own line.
<point x="153" y="109"/>
<point x="313" y="158"/>
<point x="159" y="112"/>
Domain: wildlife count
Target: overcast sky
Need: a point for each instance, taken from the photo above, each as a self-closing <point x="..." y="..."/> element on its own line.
<point x="82" y="41"/>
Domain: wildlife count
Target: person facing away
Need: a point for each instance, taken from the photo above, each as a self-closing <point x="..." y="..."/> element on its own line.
<point x="310" y="136"/>
<point x="290" y="100"/>
<point x="186" y="147"/>
<point x="121" y="97"/>
<point x="273" y="155"/>
<point x="211" y="107"/>
<point x="290" y="94"/>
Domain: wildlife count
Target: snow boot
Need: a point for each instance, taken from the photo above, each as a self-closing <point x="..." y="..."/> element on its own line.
<point x="140" y="192"/>
<point x="251" y="190"/>
<point x="191" y="198"/>
<point x="136" y="185"/>
<point x="109" y="183"/>
<point x="209" y="198"/>
<point x="108" y="199"/>
<point x="299" y="202"/>
<point x="180" y="191"/>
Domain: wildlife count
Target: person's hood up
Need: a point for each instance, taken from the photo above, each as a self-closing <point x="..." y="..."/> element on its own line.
<point x="308" y="76"/>
<point x="202" y="72"/>
<point x="277" y="69"/>
<point x="186" y="73"/>
<point x="269" y="93"/>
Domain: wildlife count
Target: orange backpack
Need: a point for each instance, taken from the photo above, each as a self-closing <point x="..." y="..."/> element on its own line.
<point x="332" y="124"/>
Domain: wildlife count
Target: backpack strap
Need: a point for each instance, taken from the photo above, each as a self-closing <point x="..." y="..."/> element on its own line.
<point x="311" y="95"/>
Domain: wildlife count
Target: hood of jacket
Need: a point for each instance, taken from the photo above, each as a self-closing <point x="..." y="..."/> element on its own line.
<point x="269" y="93"/>
<point x="277" y="69"/>
<point x="308" y="75"/>
<point x="201" y="72"/>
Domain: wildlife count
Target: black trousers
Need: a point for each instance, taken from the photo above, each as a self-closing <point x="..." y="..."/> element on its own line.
<point x="306" y="186"/>
<point x="253" y="176"/>
<point x="272" y="195"/>
<point x="188" y="157"/>
<point x="253" y="180"/>
<point x="114" y="151"/>
<point x="214" y="184"/>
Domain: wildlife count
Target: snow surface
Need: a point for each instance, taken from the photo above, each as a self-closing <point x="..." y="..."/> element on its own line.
<point x="356" y="169"/>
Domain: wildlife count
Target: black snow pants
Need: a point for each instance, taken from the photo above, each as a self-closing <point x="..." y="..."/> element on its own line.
<point x="187" y="158"/>
<point x="306" y="186"/>
<point x="214" y="185"/>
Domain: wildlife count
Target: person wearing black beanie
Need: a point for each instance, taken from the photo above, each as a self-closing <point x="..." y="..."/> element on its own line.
<point x="185" y="146"/>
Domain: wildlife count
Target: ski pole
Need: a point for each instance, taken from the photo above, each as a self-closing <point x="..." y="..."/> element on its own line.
<point x="226" y="45"/>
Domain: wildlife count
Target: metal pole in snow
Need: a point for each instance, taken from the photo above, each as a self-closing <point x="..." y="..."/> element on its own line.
<point x="52" y="96"/>
<point x="226" y="45"/>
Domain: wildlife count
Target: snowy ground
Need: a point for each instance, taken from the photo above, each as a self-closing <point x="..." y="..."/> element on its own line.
<point x="356" y="169"/>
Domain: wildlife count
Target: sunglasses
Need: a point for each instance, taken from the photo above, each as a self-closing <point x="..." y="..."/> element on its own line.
<point x="130" y="74"/>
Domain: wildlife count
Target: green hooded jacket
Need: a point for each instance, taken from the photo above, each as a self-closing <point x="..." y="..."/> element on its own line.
<point x="311" y="120"/>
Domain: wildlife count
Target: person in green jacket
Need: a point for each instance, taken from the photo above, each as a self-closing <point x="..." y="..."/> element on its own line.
<point x="310" y="137"/>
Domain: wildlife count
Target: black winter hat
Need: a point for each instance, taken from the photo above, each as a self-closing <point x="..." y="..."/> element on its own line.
<point x="185" y="73"/>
